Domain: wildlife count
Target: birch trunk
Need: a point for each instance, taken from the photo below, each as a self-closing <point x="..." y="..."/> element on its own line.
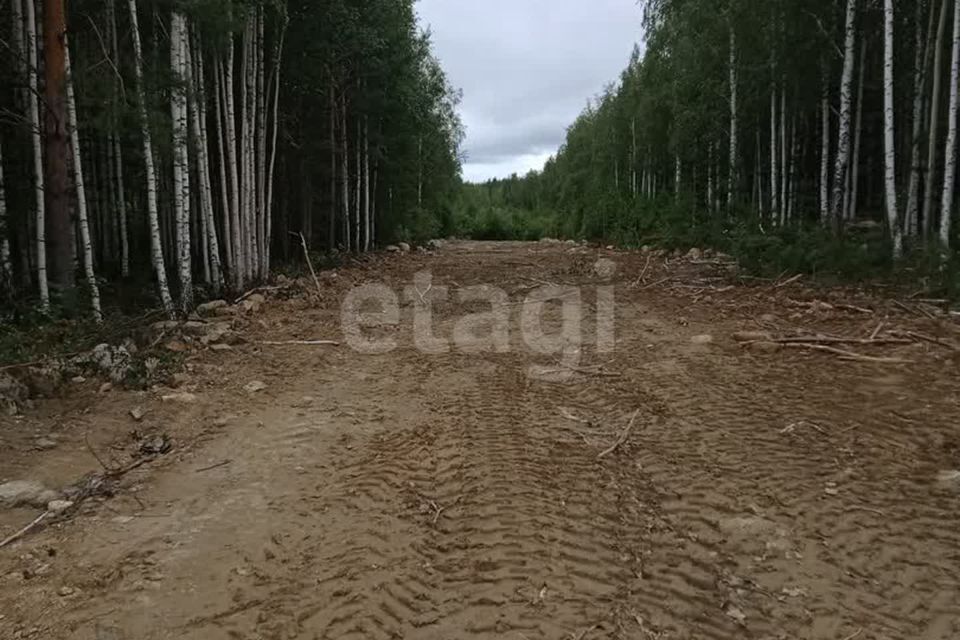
<point x="950" y="169"/>
<point x="6" y="267"/>
<point x="774" y="157"/>
<point x="366" y="185"/>
<point x="920" y="66"/>
<point x="181" y="162"/>
<point x="928" y="204"/>
<point x="843" y="130"/>
<point x="358" y="167"/>
<point x="222" y="157"/>
<point x="784" y="147"/>
<point x="344" y="172"/>
<point x="232" y="161"/>
<point x="82" y="221"/>
<point x="825" y="153"/>
<point x="33" y="112"/>
<point x="332" y="222"/>
<point x="889" y="144"/>
<point x="633" y="157"/>
<point x="261" y="150"/>
<point x="195" y="104"/>
<point x="278" y="53"/>
<point x="152" y="208"/>
<point x="854" y="182"/>
<point x="732" y="181"/>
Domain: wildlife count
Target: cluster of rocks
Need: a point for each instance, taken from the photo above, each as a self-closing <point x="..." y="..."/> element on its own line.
<point x="214" y="325"/>
<point x="405" y="247"/>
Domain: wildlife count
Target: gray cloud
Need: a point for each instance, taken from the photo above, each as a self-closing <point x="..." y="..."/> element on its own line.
<point x="526" y="68"/>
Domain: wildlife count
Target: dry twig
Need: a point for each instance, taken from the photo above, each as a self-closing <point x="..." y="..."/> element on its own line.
<point x="27" y="529"/>
<point x="307" y="343"/>
<point x="845" y="355"/>
<point x="622" y="439"/>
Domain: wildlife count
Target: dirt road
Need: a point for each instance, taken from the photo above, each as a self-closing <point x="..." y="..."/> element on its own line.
<point x="780" y="494"/>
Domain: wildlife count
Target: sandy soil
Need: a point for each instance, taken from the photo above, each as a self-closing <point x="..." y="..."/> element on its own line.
<point x="789" y="494"/>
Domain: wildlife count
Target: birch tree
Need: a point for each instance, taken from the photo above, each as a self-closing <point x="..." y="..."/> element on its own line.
<point x="889" y="143"/>
<point x="843" y="132"/>
<point x="950" y="169"/>
<point x="80" y="188"/>
<point x="6" y="267"/>
<point x="39" y="189"/>
<point x="156" y="246"/>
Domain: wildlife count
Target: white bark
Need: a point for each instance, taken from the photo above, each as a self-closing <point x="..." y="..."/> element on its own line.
<point x="933" y="142"/>
<point x="344" y="172"/>
<point x="222" y="157"/>
<point x="153" y="214"/>
<point x="774" y="157"/>
<point x="677" y="175"/>
<point x="278" y="53"/>
<point x="950" y="170"/>
<point x="366" y="185"/>
<point x="209" y="241"/>
<point x="357" y="243"/>
<point x="920" y="64"/>
<point x="843" y="130"/>
<point x="82" y="222"/>
<point x="261" y="150"/>
<point x="181" y="162"/>
<point x="784" y="146"/>
<point x="825" y="153"/>
<point x="6" y="267"/>
<point x="854" y="188"/>
<point x="33" y="110"/>
<point x="889" y="140"/>
<point x="233" y="163"/>
<point x="732" y="178"/>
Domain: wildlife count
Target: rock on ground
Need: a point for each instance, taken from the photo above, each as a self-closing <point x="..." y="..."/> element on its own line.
<point x="115" y="363"/>
<point x="14" y="395"/>
<point x="26" y="493"/>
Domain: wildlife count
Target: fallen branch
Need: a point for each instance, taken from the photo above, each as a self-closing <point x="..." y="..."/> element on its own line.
<point x="845" y="355"/>
<point x="306" y="255"/>
<point x="622" y="439"/>
<point x="925" y="338"/>
<point x="840" y="340"/>
<point x="853" y="307"/>
<point x="786" y="283"/>
<point x="214" y="466"/>
<point x="643" y="274"/>
<point x="306" y="343"/>
<point x="27" y="529"/>
<point x="253" y="291"/>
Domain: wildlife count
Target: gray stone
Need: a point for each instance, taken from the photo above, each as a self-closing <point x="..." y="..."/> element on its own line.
<point x="404" y="247"/>
<point x="210" y="308"/>
<point x="26" y="493"/>
<point x="14" y="395"/>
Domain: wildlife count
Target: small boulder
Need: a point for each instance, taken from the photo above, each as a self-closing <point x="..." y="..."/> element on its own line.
<point x="765" y="347"/>
<point x="436" y="245"/>
<point x="695" y="254"/>
<point x="59" y="506"/>
<point x="702" y="339"/>
<point x="392" y="248"/>
<point x="949" y="480"/>
<point x="26" y="493"/>
<point x="211" y="308"/>
<point x="14" y="395"/>
<point x="180" y="398"/>
<point x="255" y="387"/>
<point x="605" y="268"/>
<point x="404" y="247"/>
<point x="253" y="303"/>
<point x="44" y="444"/>
<point x="751" y="336"/>
<point x="138" y="413"/>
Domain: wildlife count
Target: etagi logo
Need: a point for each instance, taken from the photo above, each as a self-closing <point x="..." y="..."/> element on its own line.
<point x="550" y="324"/>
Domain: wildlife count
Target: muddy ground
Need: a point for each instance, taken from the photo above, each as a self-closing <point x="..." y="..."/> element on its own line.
<point x="760" y="491"/>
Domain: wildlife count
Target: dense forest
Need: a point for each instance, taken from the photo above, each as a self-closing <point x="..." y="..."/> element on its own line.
<point x="182" y="147"/>
<point x="799" y="133"/>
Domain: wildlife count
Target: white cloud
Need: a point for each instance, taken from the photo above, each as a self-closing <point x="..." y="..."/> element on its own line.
<point x="527" y="68"/>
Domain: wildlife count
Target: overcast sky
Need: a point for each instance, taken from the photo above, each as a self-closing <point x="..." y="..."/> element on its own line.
<point x="527" y="68"/>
